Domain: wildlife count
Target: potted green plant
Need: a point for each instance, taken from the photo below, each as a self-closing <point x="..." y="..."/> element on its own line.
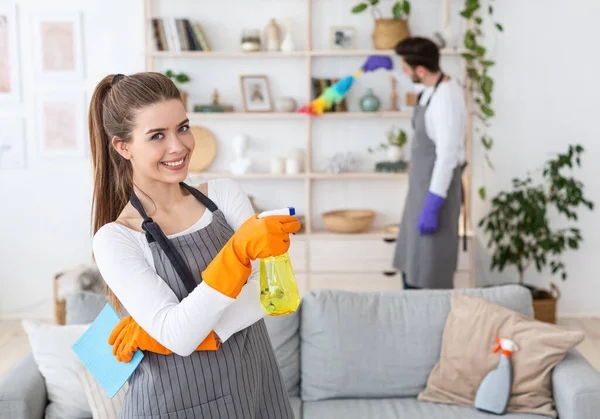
<point x="519" y="228"/>
<point x="388" y="31"/>
<point x="394" y="147"/>
<point x="179" y="79"/>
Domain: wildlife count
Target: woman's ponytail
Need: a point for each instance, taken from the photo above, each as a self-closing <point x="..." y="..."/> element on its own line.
<point x="113" y="108"/>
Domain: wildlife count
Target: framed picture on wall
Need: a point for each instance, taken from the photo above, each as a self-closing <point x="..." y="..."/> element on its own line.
<point x="256" y="94"/>
<point x="61" y="124"/>
<point x="343" y="37"/>
<point x="58" y="46"/>
<point x="10" y="85"/>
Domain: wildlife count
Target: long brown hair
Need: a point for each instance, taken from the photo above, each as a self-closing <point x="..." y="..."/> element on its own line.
<point x="114" y="105"/>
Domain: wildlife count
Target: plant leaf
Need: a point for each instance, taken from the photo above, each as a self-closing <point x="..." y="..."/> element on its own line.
<point x="360" y="7"/>
<point x="499" y="27"/>
<point x="487" y="110"/>
<point x="406" y="7"/>
<point x="468" y="56"/>
<point x="481" y="192"/>
<point x="374" y="2"/>
<point x="396" y="11"/>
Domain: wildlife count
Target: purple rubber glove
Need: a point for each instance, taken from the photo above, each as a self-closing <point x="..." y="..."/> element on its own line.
<point x="375" y="62"/>
<point x="428" y="220"/>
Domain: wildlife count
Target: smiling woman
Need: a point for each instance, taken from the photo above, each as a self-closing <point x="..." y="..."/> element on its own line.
<point x="181" y="261"/>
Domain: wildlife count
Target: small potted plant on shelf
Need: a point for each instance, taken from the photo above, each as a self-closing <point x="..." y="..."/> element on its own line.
<point x="179" y="79"/>
<point x="396" y="140"/>
<point x="519" y="227"/>
<point x="388" y="31"/>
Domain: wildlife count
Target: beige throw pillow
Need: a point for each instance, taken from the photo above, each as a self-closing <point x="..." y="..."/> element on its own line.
<point x="467" y="355"/>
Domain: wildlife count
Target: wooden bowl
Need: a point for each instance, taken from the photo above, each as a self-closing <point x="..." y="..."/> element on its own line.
<point x="349" y="221"/>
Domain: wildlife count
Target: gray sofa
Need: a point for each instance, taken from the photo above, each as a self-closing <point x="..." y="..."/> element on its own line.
<point x="354" y="355"/>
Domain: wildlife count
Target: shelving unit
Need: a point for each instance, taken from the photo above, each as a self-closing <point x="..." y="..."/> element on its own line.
<point x="303" y="249"/>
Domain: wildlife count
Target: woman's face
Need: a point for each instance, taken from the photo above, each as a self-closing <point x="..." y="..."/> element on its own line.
<point x="162" y="143"/>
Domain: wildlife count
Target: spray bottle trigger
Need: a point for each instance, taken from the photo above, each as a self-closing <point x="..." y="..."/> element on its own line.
<point x="498" y="346"/>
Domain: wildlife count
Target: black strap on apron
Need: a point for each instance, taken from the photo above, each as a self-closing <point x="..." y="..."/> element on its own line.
<point x="464" y="205"/>
<point x="155" y="233"/>
<point x="442" y="75"/>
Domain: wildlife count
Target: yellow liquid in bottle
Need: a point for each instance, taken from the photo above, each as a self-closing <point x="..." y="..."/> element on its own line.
<point x="278" y="291"/>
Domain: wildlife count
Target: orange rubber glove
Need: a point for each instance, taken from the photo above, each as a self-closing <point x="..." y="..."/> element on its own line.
<point x="256" y="238"/>
<point x="128" y="336"/>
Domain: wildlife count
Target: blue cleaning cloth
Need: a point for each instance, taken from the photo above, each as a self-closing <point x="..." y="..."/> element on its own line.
<point x="93" y="350"/>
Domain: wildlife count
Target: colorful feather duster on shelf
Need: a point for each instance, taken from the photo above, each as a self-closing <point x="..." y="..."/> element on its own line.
<point x="336" y="93"/>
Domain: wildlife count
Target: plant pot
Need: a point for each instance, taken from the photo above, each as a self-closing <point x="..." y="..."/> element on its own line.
<point x="394" y="154"/>
<point x="544" y="303"/>
<point x="388" y="32"/>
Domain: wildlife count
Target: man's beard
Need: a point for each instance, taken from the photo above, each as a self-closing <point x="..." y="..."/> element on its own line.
<point x="416" y="79"/>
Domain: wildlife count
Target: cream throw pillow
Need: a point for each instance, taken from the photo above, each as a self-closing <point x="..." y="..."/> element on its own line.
<point x="467" y="355"/>
<point x="102" y="406"/>
<point x="58" y="364"/>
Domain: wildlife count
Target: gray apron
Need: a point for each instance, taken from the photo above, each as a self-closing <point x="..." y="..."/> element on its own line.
<point x="428" y="261"/>
<point x="240" y="380"/>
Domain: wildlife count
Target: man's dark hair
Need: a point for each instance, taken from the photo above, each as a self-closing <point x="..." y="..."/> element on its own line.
<point x="419" y="51"/>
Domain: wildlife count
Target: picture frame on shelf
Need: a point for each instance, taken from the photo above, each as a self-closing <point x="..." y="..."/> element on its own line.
<point x="256" y="93"/>
<point x="342" y="38"/>
<point x="58" y="48"/>
<point x="61" y="124"/>
<point x="10" y="84"/>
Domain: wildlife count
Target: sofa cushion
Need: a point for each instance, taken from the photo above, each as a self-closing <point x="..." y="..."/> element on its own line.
<point x="83" y="307"/>
<point x="394" y="409"/>
<point x="470" y="334"/>
<point x="58" y="364"/>
<point x="394" y="338"/>
<point x="285" y="338"/>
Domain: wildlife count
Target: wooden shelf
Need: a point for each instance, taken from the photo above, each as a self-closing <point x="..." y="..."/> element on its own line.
<point x="269" y="54"/>
<point x="358" y="175"/>
<point x="228" y="54"/>
<point x="312" y="175"/>
<point x="297" y="115"/>
<point x="367" y="52"/>
<point x="247" y="115"/>
<point x="217" y="175"/>
<point x="365" y="115"/>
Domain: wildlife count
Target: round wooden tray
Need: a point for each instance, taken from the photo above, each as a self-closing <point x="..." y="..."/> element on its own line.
<point x="205" y="150"/>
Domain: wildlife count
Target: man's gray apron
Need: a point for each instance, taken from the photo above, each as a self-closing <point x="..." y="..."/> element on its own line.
<point x="240" y="380"/>
<point x="428" y="261"/>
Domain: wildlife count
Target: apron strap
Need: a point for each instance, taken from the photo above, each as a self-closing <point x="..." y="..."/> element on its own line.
<point x="442" y="75"/>
<point x="464" y="204"/>
<point x="155" y="233"/>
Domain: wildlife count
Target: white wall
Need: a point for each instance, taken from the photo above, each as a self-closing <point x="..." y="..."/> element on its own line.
<point x="546" y="98"/>
<point x="45" y="208"/>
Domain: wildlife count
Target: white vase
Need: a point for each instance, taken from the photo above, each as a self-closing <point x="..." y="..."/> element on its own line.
<point x="394" y="154"/>
<point x="287" y="45"/>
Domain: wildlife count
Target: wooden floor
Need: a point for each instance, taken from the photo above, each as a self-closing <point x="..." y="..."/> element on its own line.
<point x="14" y="344"/>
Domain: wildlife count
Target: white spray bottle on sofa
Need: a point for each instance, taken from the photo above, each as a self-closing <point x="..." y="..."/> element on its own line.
<point x="494" y="391"/>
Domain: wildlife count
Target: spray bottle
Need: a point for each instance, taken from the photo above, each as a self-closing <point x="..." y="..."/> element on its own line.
<point x="494" y="391"/>
<point x="278" y="290"/>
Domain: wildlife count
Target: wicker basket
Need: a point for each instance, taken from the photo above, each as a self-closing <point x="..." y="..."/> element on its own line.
<point x="544" y="308"/>
<point x="349" y="221"/>
<point x="388" y="32"/>
<point x="60" y="306"/>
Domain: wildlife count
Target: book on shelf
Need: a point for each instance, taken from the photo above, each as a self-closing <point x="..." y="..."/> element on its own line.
<point x="319" y="86"/>
<point x="178" y="34"/>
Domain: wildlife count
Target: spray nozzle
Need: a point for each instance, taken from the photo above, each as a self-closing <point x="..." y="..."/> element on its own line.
<point x="507" y="346"/>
